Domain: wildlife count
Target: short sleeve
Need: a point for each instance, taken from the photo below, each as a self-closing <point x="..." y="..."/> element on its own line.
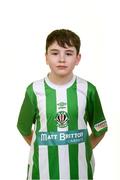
<point x="94" y="111"/>
<point x="27" y="112"/>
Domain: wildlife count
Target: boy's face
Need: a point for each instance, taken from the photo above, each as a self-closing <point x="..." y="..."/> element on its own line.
<point x="62" y="60"/>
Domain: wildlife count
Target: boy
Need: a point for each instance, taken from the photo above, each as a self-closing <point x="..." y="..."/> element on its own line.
<point x="60" y="106"/>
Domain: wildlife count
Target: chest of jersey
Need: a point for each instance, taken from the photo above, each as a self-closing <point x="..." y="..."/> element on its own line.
<point x="61" y="108"/>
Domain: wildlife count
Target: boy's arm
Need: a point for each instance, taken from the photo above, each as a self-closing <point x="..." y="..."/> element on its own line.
<point x="95" y="139"/>
<point x="28" y="139"/>
<point x="95" y="116"/>
<point x="27" y="115"/>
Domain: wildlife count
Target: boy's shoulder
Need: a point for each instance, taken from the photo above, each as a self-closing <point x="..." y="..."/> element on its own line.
<point x="34" y="84"/>
<point x="84" y="81"/>
<point x="86" y="86"/>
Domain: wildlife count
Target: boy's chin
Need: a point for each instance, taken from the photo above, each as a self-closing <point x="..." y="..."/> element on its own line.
<point x="63" y="74"/>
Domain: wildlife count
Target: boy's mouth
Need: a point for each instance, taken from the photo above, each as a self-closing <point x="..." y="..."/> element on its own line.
<point x="61" y="67"/>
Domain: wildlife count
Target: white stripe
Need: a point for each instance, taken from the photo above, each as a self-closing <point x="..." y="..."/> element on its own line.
<point x="63" y="150"/>
<point x="81" y="93"/>
<point x="82" y="162"/>
<point x="43" y="150"/>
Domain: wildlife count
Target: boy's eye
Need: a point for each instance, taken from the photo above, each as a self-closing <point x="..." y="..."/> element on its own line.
<point x="69" y="54"/>
<point x="54" y="53"/>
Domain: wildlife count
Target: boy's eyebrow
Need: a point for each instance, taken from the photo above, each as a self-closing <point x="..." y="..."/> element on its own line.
<point x="68" y="50"/>
<point x="54" y="50"/>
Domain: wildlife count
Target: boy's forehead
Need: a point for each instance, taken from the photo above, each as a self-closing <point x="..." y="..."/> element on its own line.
<point x="56" y="46"/>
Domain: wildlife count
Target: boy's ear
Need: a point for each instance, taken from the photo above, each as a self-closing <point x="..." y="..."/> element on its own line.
<point x="78" y="59"/>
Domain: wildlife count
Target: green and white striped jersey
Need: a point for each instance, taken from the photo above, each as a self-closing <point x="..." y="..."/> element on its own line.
<point x="60" y="147"/>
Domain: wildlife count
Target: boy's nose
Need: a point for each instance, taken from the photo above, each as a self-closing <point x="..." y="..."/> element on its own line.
<point x="62" y="58"/>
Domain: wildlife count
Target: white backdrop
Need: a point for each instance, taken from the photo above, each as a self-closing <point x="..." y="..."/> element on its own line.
<point x="24" y="25"/>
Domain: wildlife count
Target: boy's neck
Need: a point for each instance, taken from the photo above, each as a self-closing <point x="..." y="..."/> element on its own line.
<point x="59" y="80"/>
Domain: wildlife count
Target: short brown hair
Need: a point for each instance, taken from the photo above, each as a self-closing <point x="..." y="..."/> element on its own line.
<point x="63" y="37"/>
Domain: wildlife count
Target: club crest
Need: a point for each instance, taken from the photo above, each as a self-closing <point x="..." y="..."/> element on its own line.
<point x="62" y="119"/>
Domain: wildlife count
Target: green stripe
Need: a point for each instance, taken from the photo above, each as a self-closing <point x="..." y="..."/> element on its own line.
<point x="88" y="157"/>
<point x="87" y="144"/>
<point x="33" y="98"/>
<point x="35" y="170"/>
<point x="73" y="125"/>
<point x="51" y="126"/>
